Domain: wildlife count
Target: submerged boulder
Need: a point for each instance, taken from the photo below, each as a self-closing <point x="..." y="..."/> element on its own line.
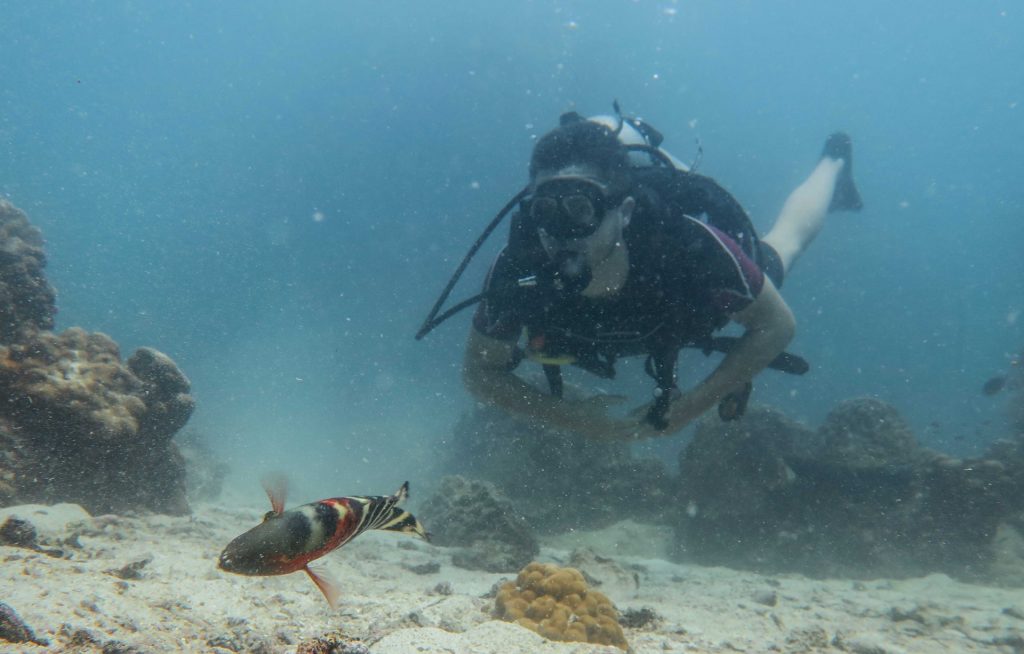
<point x="737" y="469"/>
<point x="475" y="516"/>
<point x="79" y="425"/>
<point x="27" y="301"/>
<point x="560" y="480"/>
<point x="859" y="497"/>
<point x="866" y="433"/>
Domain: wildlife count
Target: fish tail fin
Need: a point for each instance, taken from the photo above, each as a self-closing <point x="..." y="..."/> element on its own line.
<point x="400" y="520"/>
<point x="381" y="512"/>
<point x="327" y="584"/>
<point x="403" y="522"/>
<point x="402" y="494"/>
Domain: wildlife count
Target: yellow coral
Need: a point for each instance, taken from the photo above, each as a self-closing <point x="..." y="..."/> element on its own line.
<point x="557" y="604"/>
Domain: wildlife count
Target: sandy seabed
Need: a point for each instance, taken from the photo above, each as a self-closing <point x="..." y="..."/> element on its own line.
<point x="150" y="584"/>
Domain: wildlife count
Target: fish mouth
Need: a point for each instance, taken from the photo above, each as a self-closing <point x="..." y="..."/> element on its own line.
<point x="225" y="563"/>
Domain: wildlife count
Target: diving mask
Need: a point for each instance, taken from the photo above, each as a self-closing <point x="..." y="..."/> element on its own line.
<point x="569" y="207"/>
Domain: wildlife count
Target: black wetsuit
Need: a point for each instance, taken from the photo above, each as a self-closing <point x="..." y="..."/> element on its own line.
<point x="686" y="277"/>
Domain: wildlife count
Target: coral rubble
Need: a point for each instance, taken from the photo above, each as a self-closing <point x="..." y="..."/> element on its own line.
<point x="335" y="642"/>
<point x="78" y="424"/>
<point x="557" y="604"/>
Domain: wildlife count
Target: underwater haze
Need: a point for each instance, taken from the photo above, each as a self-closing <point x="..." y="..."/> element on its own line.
<point x="275" y="193"/>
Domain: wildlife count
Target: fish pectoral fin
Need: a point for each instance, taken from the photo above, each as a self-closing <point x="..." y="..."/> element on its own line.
<point x="327" y="584"/>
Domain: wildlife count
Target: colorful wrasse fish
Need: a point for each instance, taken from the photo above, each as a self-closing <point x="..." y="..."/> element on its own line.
<point x="287" y="541"/>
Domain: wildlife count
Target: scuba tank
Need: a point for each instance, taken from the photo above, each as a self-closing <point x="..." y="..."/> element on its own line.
<point x="640" y="139"/>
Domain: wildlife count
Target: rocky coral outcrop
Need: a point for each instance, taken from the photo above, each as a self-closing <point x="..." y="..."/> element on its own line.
<point x="735" y="470"/>
<point x="560" y="480"/>
<point x="476" y="516"/>
<point x="27" y="301"/>
<point x="859" y="497"/>
<point x="78" y="425"/>
<point x="205" y="471"/>
<point x="1015" y="384"/>
<point x="867" y="434"/>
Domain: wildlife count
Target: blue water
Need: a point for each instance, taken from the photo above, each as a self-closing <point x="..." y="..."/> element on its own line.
<point x="274" y="193"/>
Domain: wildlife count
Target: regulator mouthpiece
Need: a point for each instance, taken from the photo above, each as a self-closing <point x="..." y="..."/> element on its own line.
<point x="569" y="272"/>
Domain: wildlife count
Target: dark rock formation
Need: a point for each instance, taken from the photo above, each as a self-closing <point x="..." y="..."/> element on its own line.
<point x="18" y="533"/>
<point x="737" y="470"/>
<point x="14" y="630"/>
<point x="476" y="516"/>
<point x="866" y="434"/>
<point x="27" y="301"/>
<point x="561" y="481"/>
<point x="165" y="390"/>
<point x="204" y="470"/>
<point x="77" y="424"/>
<point x="1015" y="385"/>
<point x="857" y="498"/>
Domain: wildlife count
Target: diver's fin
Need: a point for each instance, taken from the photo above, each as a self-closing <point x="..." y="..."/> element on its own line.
<point x="326" y="583"/>
<point x="845" y="197"/>
<point x="276" y="485"/>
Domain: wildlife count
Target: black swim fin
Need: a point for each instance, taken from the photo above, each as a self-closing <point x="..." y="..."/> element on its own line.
<point x="845" y="197"/>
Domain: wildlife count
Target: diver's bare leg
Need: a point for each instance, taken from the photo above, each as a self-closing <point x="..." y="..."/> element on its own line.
<point x="803" y="214"/>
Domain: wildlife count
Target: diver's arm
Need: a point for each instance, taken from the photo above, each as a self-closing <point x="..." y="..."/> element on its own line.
<point x="770" y="326"/>
<point x="487" y="376"/>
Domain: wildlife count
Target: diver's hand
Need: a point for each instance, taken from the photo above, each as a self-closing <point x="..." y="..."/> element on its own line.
<point x="682" y="410"/>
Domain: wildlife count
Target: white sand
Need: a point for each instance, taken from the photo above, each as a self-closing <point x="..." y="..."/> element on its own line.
<point x="183" y="602"/>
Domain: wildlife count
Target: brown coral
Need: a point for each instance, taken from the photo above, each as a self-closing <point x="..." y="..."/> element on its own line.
<point x="335" y="642"/>
<point x="72" y="384"/>
<point x="557" y="604"/>
<point x="81" y="426"/>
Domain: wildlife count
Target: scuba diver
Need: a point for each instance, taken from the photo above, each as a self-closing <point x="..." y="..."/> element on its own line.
<point x="618" y="249"/>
